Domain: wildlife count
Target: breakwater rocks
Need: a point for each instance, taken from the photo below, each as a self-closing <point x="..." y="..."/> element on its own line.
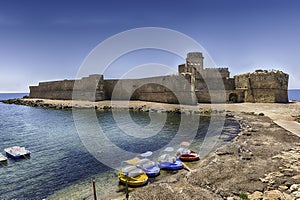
<point x="261" y="163"/>
<point x="109" y="105"/>
<point x="36" y="103"/>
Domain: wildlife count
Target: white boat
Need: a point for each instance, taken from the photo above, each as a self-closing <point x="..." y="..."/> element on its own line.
<point x="2" y="158"/>
<point x="17" y="152"/>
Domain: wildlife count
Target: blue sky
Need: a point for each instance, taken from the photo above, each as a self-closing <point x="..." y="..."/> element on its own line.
<point x="48" y="40"/>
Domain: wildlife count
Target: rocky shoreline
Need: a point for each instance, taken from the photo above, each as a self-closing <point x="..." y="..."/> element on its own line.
<point x="109" y="105"/>
<point x="261" y="163"/>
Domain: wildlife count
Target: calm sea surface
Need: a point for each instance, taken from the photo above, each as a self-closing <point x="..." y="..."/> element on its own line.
<point x="294" y="95"/>
<point x="58" y="158"/>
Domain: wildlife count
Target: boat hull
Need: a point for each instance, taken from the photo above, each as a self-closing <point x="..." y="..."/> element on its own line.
<point x="189" y="157"/>
<point x="17" y="156"/>
<point x="170" y="165"/>
<point x="137" y="181"/>
<point x="152" y="172"/>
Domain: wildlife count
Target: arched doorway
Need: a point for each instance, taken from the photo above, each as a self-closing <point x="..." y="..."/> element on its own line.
<point x="233" y="98"/>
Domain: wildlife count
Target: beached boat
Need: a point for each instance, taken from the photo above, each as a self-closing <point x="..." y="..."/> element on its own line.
<point x="3" y="158"/>
<point x="187" y="155"/>
<point x="17" y="152"/>
<point x="149" y="167"/>
<point x="169" y="162"/>
<point x="133" y="176"/>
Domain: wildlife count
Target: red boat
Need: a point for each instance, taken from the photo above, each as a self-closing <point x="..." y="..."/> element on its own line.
<point x="185" y="154"/>
<point x="192" y="156"/>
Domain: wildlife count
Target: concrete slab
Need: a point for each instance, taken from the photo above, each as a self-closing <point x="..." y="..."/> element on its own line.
<point x="291" y="126"/>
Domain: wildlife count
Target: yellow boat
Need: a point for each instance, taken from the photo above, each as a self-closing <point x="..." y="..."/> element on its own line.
<point x="132" y="175"/>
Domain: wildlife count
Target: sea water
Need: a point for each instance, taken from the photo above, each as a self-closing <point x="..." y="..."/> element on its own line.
<point x="58" y="157"/>
<point x="294" y="94"/>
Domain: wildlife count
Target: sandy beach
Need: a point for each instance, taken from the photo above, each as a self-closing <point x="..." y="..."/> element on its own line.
<point x="261" y="163"/>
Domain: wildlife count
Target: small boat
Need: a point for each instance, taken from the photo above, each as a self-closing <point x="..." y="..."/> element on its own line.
<point x="186" y="154"/>
<point x="17" y="152"/>
<point x="169" y="162"/>
<point x="3" y="158"/>
<point x="132" y="175"/>
<point x="149" y="167"/>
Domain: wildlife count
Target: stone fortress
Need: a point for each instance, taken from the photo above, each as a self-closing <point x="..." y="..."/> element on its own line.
<point x="193" y="84"/>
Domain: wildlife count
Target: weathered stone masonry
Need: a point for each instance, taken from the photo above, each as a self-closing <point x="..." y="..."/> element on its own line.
<point x="194" y="84"/>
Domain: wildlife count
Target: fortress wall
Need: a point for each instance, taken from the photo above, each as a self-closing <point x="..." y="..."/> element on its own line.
<point x="87" y="88"/>
<point x="272" y="80"/>
<point x="168" y="89"/>
<point x="121" y="89"/>
<point x="108" y="88"/>
<point x="211" y="72"/>
<point x="264" y="86"/>
<point x="61" y="90"/>
<point x="267" y="96"/>
<point x="262" y="79"/>
<point x="217" y="96"/>
<point x="212" y="84"/>
<point x="203" y="96"/>
<point x="165" y="89"/>
<point x="228" y="84"/>
<point x="181" y="68"/>
<point x="235" y="96"/>
<point x="241" y="81"/>
<point x="188" y="88"/>
<point x="161" y="97"/>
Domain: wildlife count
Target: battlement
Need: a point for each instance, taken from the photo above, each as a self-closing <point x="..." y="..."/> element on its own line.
<point x="262" y="79"/>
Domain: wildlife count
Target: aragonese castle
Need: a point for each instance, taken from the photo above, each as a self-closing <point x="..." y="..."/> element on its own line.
<point x="193" y="84"/>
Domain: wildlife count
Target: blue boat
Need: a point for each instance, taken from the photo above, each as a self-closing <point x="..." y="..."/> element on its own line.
<point x="17" y="152"/>
<point x="169" y="162"/>
<point x="151" y="168"/>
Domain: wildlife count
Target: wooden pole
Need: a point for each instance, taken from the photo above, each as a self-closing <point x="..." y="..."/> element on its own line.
<point x="94" y="190"/>
<point x="127" y="192"/>
<point x="186" y="167"/>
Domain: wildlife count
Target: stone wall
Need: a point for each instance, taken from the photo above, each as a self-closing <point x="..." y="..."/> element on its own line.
<point x="88" y="88"/>
<point x="53" y="90"/>
<point x="211" y="72"/>
<point x="165" y="89"/>
<point x="264" y="86"/>
<point x="193" y="84"/>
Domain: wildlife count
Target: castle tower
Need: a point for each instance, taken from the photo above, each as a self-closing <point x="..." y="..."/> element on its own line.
<point x="195" y="60"/>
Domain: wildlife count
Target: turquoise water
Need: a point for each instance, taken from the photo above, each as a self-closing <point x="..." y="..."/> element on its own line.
<point x="59" y="159"/>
